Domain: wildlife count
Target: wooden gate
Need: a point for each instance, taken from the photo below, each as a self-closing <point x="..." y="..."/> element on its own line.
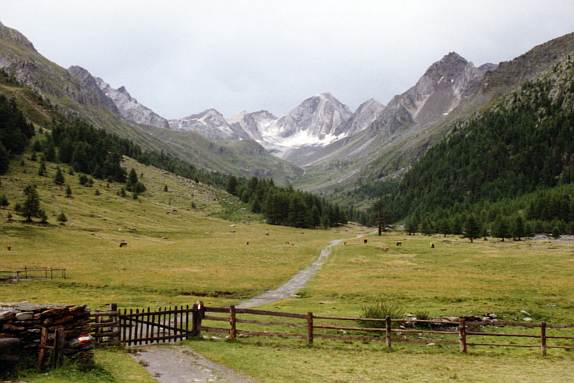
<point x="161" y="325"/>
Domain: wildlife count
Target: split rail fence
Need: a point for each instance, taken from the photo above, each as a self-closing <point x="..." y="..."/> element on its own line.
<point x="33" y="273"/>
<point x="172" y="324"/>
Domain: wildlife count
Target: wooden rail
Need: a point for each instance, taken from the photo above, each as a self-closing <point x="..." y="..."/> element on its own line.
<point x="386" y="328"/>
<point x="33" y="273"/>
<point x="173" y="324"/>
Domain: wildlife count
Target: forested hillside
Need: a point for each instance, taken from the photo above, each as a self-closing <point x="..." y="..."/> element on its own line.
<point x="523" y="144"/>
<point x="100" y="154"/>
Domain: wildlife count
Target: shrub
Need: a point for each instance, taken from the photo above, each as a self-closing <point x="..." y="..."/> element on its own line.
<point x="380" y="309"/>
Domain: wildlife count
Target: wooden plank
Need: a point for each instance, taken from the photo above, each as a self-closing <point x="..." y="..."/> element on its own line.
<point x="130" y="328"/>
<point x="232" y="323"/>
<point x="215" y="329"/>
<point x="462" y="335"/>
<point x="503" y="345"/>
<point x="147" y="327"/>
<point x="559" y="337"/>
<point x="267" y="333"/>
<point x="309" y="329"/>
<point x="366" y="329"/>
<point x="562" y="347"/>
<point x="417" y="331"/>
<point x="42" y="349"/>
<point x="187" y="312"/>
<point x="217" y="309"/>
<point x="270" y="313"/>
<point x="106" y="334"/>
<point x="475" y="333"/>
<point x="216" y="319"/>
<point x="388" y="332"/>
<point x="543" y="348"/>
<point x="181" y="325"/>
<point x="175" y="326"/>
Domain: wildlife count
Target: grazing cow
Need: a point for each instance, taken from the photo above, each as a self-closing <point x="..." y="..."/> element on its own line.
<point x="432" y="245"/>
<point x="365" y="241"/>
<point x="247" y="243"/>
<point x="123" y="244"/>
<point x="399" y="243"/>
<point x="9" y="248"/>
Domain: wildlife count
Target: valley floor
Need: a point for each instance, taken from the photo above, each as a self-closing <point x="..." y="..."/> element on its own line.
<point x="178" y="253"/>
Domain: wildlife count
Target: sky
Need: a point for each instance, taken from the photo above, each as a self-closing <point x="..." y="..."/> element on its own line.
<point x="180" y="57"/>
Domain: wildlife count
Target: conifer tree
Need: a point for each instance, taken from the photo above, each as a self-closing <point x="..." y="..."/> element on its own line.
<point x="500" y="228"/>
<point x="518" y="229"/>
<point x="471" y="228"/>
<point x="4" y="201"/>
<point x="68" y="191"/>
<point x="62" y="218"/>
<point x="42" y="168"/>
<point x="30" y="208"/>
<point x="59" y="177"/>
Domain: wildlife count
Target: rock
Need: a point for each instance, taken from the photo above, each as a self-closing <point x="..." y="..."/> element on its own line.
<point x="25" y="316"/>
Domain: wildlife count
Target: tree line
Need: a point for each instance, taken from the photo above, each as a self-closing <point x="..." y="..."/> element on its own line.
<point x="15" y="132"/>
<point x="510" y="167"/>
<point x="285" y="205"/>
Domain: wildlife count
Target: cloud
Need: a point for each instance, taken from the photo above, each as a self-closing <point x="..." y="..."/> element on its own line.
<point x="180" y="57"/>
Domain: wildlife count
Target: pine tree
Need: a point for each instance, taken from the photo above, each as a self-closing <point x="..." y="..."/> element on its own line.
<point x="500" y="228"/>
<point x="165" y="188"/>
<point x="30" y="208"/>
<point x="412" y="225"/>
<point x="59" y="177"/>
<point x="68" y="191"/>
<point x="555" y="232"/>
<point x="471" y="228"/>
<point x="43" y="217"/>
<point x="4" y="201"/>
<point x="379" y="208"/>
<point x="62" y="218"/>
<point x="518" y="229"/>
<point x="42" y="168"/>
<point x="443" y="227"/>
<point x="4" y="159"/>
<point x="232" y="185"/>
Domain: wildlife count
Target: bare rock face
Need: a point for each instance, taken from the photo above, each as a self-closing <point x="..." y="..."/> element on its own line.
<point x="129" y="108"/>
<point x="254" y="123"/>
<point x="364" y="116"/>
<point x="210" y="124"/>
<point x="93" y="95"/>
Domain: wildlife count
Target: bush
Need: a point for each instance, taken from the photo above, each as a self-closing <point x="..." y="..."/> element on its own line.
<point x="380" y="310"/>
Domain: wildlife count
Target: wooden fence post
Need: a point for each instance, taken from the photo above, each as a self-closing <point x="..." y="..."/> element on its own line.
<point x="232" y="323"/>
<point x="309" y="328"/>
<point x="462" y="334"/>
<point x="543" y="338"/>
<point x="116" y="324"/>
<point x="388" y="332"/>
<point x="42" y="349"/>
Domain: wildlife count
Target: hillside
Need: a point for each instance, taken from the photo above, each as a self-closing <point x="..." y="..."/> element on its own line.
<point x="76" y="93"/>
<point x="353" y="166"/>
<point x="522" y="143"/>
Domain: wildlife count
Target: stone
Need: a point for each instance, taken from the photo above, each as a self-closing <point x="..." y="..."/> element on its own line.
<point x="27" y="315"/>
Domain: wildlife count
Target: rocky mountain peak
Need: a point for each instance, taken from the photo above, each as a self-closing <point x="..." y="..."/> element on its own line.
<point x="129" y="108"/>
<point x="211" y="124"/>
<point x="13" y="35"/>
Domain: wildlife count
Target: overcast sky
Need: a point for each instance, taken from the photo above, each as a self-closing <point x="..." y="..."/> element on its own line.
<point x="181" y="57"/>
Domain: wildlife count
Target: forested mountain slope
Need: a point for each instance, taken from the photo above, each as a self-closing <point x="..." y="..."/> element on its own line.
<point x="521" y="144"/>
<point x="75" y="93"/>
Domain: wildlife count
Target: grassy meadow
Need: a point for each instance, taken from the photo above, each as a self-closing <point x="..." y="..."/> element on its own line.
<point x="455" y="278"/>
<point x="195" y="242"/>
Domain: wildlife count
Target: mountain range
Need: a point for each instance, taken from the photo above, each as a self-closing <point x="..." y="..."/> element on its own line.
<point x="321" y="145"/>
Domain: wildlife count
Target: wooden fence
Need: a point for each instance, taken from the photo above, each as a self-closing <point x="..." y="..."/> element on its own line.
<point x="173" y="324"/>
<point x="33" y="273"/>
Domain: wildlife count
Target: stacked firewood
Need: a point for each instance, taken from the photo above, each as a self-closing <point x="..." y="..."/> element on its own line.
<point x="22" y="327"/>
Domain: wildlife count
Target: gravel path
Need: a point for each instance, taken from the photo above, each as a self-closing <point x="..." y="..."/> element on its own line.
<point x="293" y="285"/>
<point x="179" y="364"/>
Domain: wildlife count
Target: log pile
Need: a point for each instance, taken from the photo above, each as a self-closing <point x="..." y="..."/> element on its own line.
<point x="30" y="330"/>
